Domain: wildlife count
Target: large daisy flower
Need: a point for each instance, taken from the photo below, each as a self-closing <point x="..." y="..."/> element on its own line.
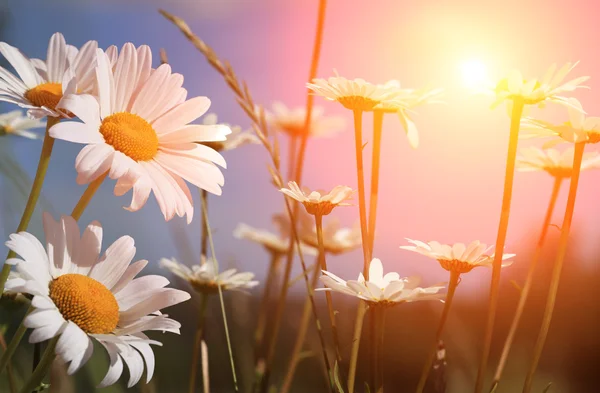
<point x="14" y="123"/>
<point x="380" y="289"/>
<point x="81" y="296"/>
<point x="138" y="132"/>
<point x="458" y="258"/>
<point x="43" y="85"/>
<point x="535" y="92"/>
<point x="552" y="161"/>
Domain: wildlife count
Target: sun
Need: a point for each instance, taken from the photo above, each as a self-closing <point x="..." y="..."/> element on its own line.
<point x="474" y="74"/>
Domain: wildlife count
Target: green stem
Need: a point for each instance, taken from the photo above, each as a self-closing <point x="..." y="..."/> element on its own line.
<point x="13" y="344"/>
<point x="12" y="383"/>
<point x="221" y="301"/>
<point x="528" y="282"/>
<point x="361" y="190"/>
<point x="36" y="189"/>
<point x="198" y="341"/>
<point x="42" y="369"/>
<point x="377" y="132"/>
<point x="328" y="297"/>
<point x="380" y="324"/>
<point x="558" y="264"/>
<point x="263" y="313"/>
<point x="511" y="156"/>
<point x="86" y="197"/>
<point x="452" y="284"/>
<point x="360" y="317"/>
<point x="204" y="231"/>
<point x="302" y="329"/>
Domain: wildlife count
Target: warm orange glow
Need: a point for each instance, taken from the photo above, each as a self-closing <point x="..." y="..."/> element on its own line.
<point x="474" y="74"/>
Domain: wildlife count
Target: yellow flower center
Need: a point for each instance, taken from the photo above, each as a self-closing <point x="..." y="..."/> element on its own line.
<point x="593" y="137"/>
<point x="454" y="265"/>
<point x="206" y="287"/>
<point x="358" y="102"/>
<point x="559" y="171"/>
<point x="85" y="302"/>
<point x="322" y="208"/>
<point x="131" y="135"/>
<point x="46" y="94"/>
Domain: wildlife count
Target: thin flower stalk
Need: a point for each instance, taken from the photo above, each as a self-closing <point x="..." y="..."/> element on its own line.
<point x="198" y="337"/>
<point x="257" y="117"/>
<point x="298" y="344"/>
<point x="204" y="230"/>
<point x="36" y="189"/>
<point x="517" y="111"/>
<point x="42" y="369"/>
<point x="528" y="282"/>
<point x="270" y="283"/>
<point x="221" y="301"/>
<point x="292" y="153"/>
<point x="379" y="363"/>
<point x="12" y="383"/>
<point x="323" y="264"/>
<point x="76" y="213"/>
<point x="377" y="133"/>
<point x="358" y="325"/>
<point x="558" y="264"/>
<point x="361" y="189"/>
<point x="452" y="284"/>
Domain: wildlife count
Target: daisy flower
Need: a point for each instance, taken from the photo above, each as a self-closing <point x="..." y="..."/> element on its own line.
<point x="236" y="139"/>
<point x="405" y="100"/>
<point x="204" y="279"/>
<point x="42" y="85"/>
<point x="534" y="92"/>
<point x="79" y="296"/>
<point x="554" y="162"/>
<point x="16" y="124"/>
<point x="579" y="128"/>
<point x="336" y="239"/>
<point x="273" y="243"/>
<point x="381" y="290"/>
<point x="291" y="121"/>
<point x="356" y="94"/>
<point x="316" y="203"/>
<point x="458" y="258"/>
<point x="138" y="132"/>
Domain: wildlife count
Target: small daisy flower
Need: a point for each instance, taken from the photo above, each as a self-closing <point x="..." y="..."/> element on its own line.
<point x="236" y="139"/>
<point x="579" y="128"/>
<point x="291" y="121"/>
<point x="316" y="203"/>
<point x="274" y="243"/>
<point x="457" y="258"/>
<point x="204" y="279"/>
<point x="381" y="290"/>
<point x="43" y="86"/>
<point x="81" y="296"/>
<point x="554" y="162"/>
<point x="138" y="131"/>
<point x="534" y="92"/>
<point x="336" y="239"/>
<point x="356" y="94"/>
<point x="14" y="123"/>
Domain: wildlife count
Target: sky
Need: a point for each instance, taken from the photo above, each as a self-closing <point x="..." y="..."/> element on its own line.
<point x="449" y="189"/>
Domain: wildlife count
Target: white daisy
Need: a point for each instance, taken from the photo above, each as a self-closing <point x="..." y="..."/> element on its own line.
<point x="534" y="92"/>
<point x="356" y="94"/>
<point x="204" y="279"/>
<point x="273" y="243"/>
<point x="579" y="128"/>
<point x="291" y="121"/>
<point x="554" y="162"/>
<point x="381" y="290"/>
<point x="458" y="257"/>
<point x="317" y="203"/>
<point x="234" y="140"/>
<point x="336" y="239"/>
<point x="43" y="86"/>
<point x="16" y="124"/>
<point x="138" y="132"/>
<point x="81" y="296"/>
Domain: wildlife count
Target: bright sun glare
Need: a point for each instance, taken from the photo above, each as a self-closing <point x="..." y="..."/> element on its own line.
<point x="474" y="74"/>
